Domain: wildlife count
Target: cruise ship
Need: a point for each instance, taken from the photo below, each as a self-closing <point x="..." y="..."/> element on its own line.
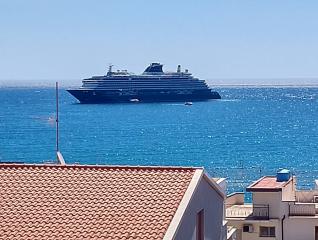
<point x="153" y="85"/>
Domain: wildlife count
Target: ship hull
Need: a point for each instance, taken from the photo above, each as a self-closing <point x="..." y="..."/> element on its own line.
<point x="107" y="96"/>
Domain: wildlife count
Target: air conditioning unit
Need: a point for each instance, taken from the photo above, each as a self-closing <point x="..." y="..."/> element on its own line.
<point x="315" y="199"/>
<point x="248" y="228"/>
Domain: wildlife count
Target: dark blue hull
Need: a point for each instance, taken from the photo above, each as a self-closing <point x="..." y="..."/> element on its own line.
<point x="107" y="96"/>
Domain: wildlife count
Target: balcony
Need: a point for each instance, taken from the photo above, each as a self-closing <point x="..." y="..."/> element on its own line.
<point x="303" y="209"/>
<point x="248" y="211"/>
<point x="236" y="208"/>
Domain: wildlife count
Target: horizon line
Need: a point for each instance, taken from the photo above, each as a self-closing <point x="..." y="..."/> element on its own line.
<point x="211" y="85"/>
<point x="209" y="78"/>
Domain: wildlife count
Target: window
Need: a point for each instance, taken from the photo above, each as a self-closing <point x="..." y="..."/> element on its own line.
<point x="200" y="225"/>
<point x="248" y="228"/>
<point x="267" y="231"/>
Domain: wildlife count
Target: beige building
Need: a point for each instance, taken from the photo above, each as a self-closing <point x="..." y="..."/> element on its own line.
<point x="278" y="210"/>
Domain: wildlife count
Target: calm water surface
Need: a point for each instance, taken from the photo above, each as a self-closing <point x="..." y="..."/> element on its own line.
<point x="249" y="133"/>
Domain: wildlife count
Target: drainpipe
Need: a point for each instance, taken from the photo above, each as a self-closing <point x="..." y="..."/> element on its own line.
<point x="283" y="227"/>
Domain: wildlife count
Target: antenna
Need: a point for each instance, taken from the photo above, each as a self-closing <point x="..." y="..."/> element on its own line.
<point x="59" y="156"/>
<point x="57" y="115"/>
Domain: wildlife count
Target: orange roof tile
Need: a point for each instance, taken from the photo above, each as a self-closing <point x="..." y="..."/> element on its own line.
<point x="86" y="202"/>
<point x="267" y="183"/>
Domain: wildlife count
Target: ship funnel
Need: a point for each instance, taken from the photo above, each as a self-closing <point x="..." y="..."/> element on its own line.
<point x="110" y="68"/>
<point x="179" y="68"/>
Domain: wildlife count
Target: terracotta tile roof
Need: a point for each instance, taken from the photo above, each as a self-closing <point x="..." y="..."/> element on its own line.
<point x="267" y="183"/>
<point x="89" y="202"/>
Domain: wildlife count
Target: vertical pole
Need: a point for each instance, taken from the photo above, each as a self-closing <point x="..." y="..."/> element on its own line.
<point x="59" y="156"/>
<point x="57" y="117"/>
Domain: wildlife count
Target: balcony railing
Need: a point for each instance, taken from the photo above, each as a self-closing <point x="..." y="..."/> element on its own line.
<point x="253" y="211"/>
<point x="303" y="209"/>
<point x="261" y="211"/>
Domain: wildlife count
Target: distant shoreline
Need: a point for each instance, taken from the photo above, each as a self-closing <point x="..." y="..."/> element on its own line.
<point x="264" y="86"/>
<point x="213" y="83"/>
<point x="210" y="85"/>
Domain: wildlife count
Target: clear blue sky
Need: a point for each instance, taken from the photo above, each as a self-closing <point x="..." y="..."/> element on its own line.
<point x="43" y="40"/>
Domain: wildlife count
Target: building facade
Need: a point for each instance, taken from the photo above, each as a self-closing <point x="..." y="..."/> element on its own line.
<point x="278" y="210"/>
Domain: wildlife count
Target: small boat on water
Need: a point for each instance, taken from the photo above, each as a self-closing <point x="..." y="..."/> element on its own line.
<point x="134" y="100"/>
<point x="188" y="103"/>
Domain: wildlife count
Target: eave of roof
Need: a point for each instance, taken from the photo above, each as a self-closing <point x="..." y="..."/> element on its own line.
<point x="176" y="220"/>
<point x="278" y="188"/>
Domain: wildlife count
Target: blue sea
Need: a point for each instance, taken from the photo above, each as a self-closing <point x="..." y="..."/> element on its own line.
<point x="249" y="133"/>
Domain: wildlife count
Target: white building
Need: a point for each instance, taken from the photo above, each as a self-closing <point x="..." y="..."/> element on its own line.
<point x="278" y="210"/>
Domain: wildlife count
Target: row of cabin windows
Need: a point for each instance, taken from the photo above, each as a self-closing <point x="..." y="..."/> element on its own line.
<point x="145" y="84"/>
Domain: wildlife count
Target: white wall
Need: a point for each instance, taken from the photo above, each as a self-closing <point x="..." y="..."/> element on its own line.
<point x="273" y="199"/>
<point x="297" y="228"/>
<point x="306" y="196"/>
<point x="205" y="197"/>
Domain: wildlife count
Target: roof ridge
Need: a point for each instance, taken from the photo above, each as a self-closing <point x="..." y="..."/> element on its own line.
<point x="91" y="166"/>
